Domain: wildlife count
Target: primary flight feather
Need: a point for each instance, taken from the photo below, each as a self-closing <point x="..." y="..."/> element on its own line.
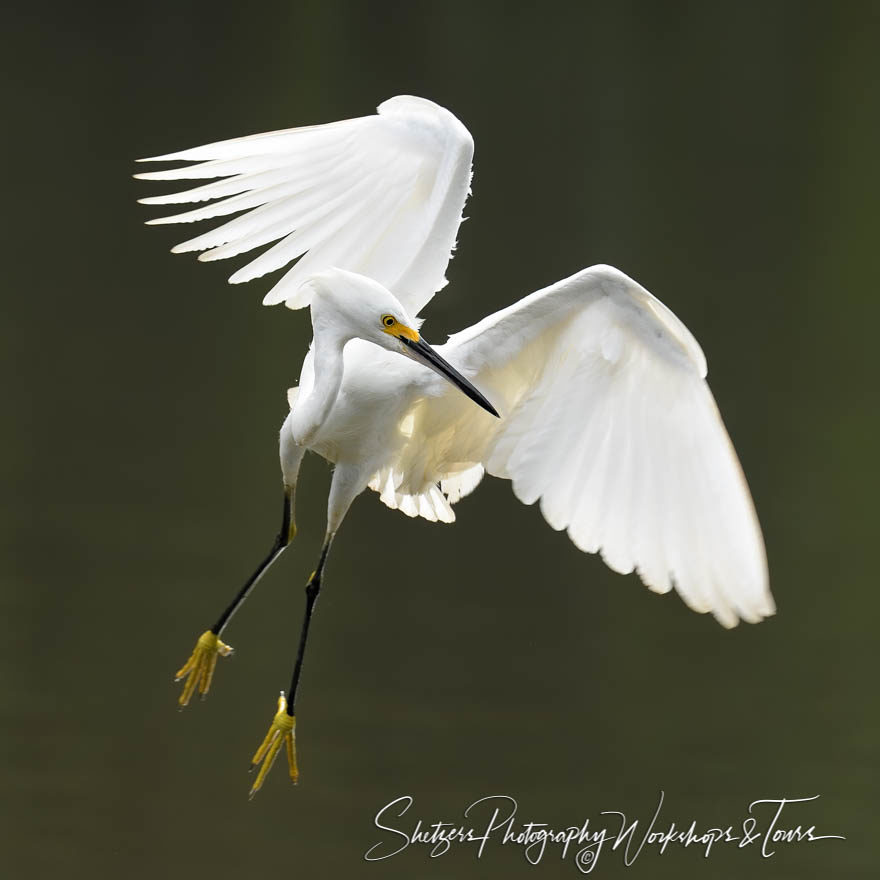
<point x="380" y="195"/>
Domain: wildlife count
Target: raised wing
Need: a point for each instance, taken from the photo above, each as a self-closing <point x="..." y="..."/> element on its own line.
<point x="380" y="195"/>
<point x="608" y="421"/>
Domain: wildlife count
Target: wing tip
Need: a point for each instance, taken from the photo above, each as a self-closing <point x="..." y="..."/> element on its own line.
<point x="214" y="255"/>
<point x="728" y="613"/>
<point x="731" y="615"/>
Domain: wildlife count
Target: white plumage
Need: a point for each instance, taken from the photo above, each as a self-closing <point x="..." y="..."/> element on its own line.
<point x="380" y="195"/>
<point x="605" y="415"/>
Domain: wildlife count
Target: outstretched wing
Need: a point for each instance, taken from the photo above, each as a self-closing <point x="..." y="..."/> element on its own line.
<point x="380" y="195"/>
<point x="608" y="421"/>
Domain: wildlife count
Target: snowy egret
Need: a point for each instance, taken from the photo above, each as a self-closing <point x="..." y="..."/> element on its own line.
<point x="589" y="395"/>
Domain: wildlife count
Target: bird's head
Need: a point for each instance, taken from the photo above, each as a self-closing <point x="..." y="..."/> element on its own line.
<point x="346" y="305"/>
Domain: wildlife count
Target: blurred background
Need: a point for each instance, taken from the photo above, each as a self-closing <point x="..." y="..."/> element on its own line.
<point x="723" y="154"/>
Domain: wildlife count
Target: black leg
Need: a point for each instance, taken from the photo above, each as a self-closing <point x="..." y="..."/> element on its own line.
<point x="312" y="589"/>
<point x="199" y="669"/>
<point x="283" y="539"/>
<point x="282" y="730"/>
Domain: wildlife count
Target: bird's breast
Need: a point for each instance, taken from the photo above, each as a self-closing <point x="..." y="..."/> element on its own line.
<point x="370" y="419"/>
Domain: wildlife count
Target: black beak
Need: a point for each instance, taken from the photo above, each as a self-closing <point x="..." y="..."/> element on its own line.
<point x="430" y="358"/>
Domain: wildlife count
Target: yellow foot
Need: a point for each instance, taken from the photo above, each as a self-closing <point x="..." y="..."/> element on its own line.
<point x="282" y="731"/>
<point x="199" y="669"/>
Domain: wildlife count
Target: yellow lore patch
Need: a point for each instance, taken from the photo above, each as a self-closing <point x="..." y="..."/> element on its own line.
<point x="393" y="327"/>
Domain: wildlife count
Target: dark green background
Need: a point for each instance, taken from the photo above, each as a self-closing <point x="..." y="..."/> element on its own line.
<point x="723" y="154"/>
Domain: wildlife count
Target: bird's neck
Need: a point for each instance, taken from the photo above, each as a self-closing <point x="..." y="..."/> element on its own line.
<point x="310" y="414"/>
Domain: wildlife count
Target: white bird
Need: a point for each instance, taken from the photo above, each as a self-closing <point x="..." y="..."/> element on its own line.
<point x="599" y="405"/>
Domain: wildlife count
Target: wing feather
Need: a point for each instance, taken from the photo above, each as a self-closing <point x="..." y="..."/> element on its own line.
<point x="380" y="195"/>
<point x="609" y="423"/>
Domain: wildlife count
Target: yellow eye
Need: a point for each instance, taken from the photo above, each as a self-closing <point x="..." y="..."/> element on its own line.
<point x="388" y="321"/>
